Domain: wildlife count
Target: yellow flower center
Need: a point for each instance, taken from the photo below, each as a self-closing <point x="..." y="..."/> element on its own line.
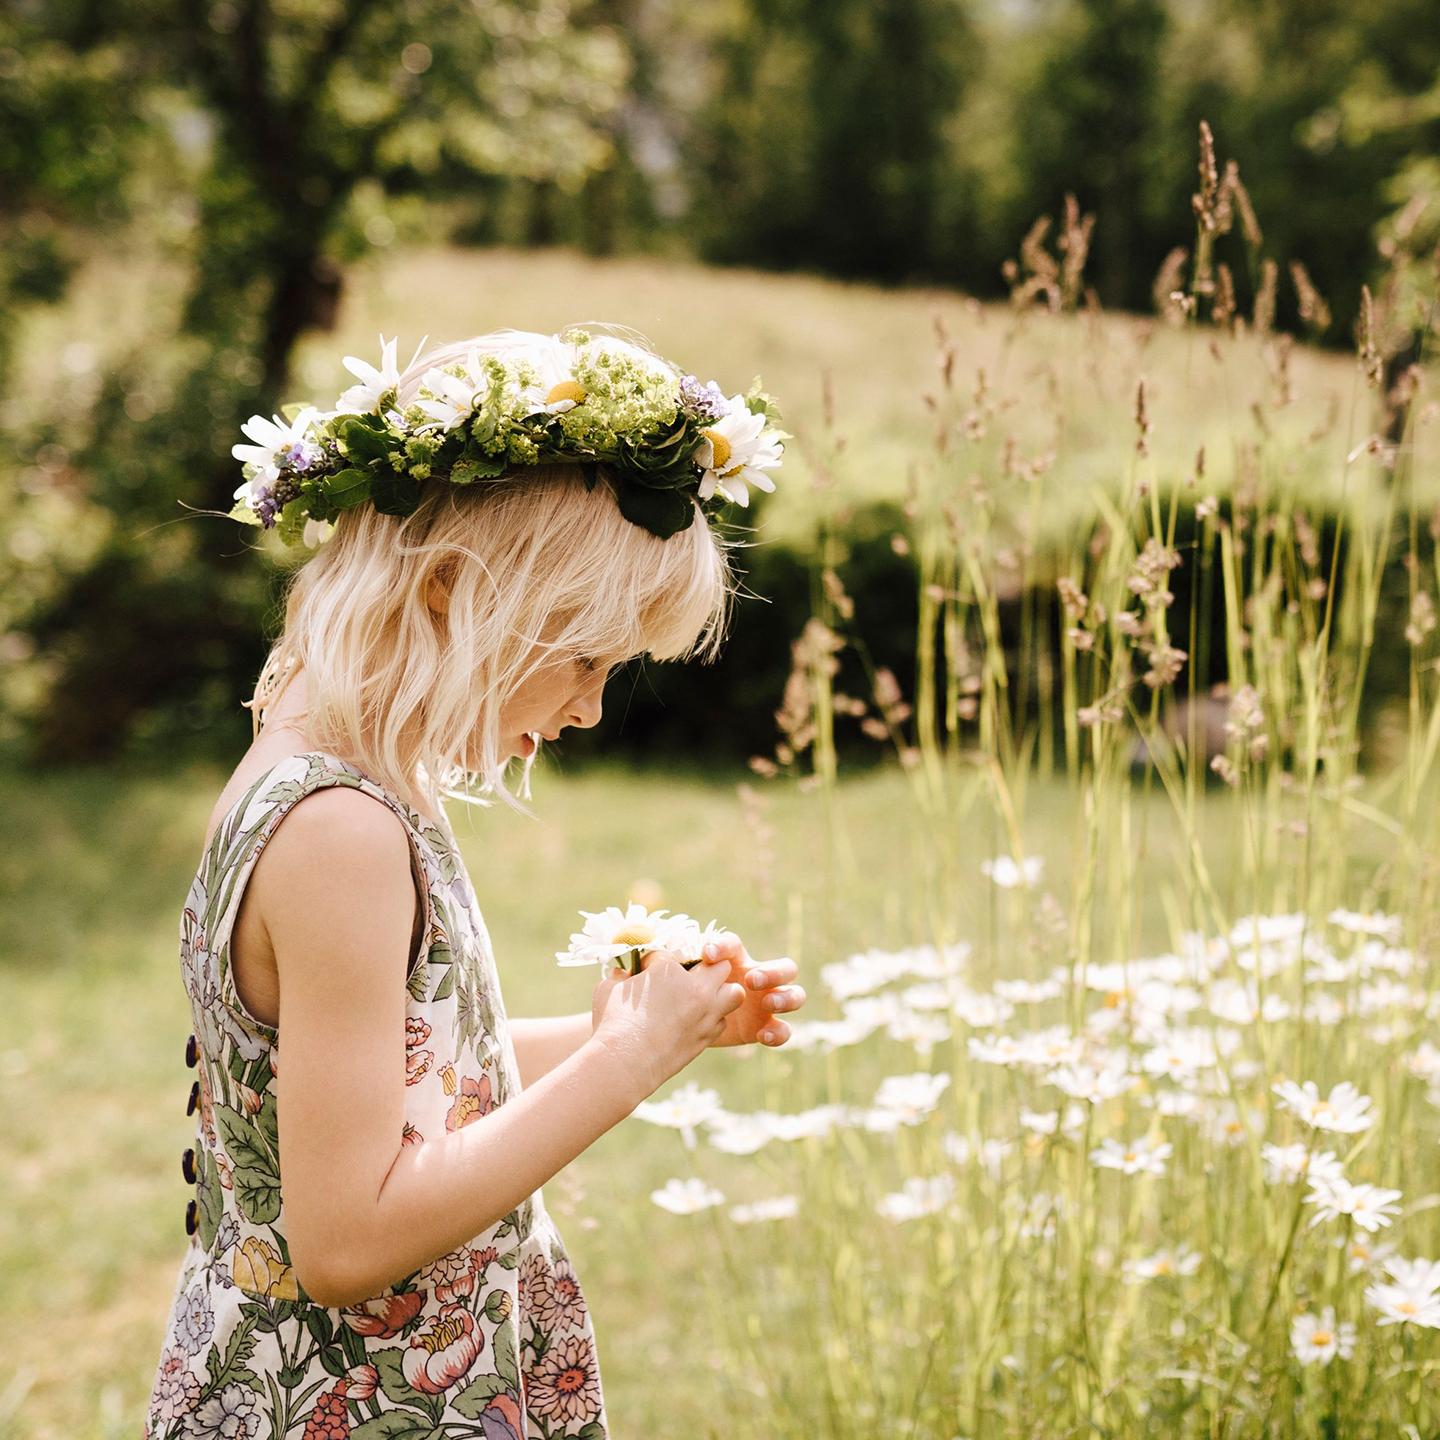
<point x="445" y="1333"/>
<point x="1162" y="1267"/>
<point x="1321" y="1337"/>
<point x="1130" y="1155"/>
<point x="720" y="446"/>
<point x="1407" y="1307"/>
<point x="566" y="390"/>
<point x="638" y="932"/>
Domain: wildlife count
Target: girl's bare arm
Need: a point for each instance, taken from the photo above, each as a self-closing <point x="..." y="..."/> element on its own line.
<point x="543" y="1042"/>
<point x="362" y="1210"/>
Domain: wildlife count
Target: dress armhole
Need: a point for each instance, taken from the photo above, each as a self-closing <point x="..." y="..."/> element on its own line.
<point x="282" y="797"/>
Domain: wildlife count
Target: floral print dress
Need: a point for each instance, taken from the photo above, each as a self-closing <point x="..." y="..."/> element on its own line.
<point x="491" y="1341"/>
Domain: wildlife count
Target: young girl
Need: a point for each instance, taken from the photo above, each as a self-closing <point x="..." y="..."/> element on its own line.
<point x="497" y="528"/>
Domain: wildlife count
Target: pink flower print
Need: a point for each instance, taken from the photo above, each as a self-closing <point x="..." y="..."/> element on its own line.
<point x="563" y="1385"/>
<point x="361" y="1381"/>
<point x="554" y="1296"/>
<point x="417" y="1059"/>
<point x="222" y="1164"/>
<point x="501" y="1419"/>
<point x="473" y="1101"/>
<point x="207" y="1109"/>
<point x="250" y="1100"/>
<point x="385" y="1316"/>
<point x="409" y="1135"/>
<point x="176" y="1389"/>
<point x="455" y="1274"/>
<point x="330" y="1419"/>
<point x="444" y="1353"/>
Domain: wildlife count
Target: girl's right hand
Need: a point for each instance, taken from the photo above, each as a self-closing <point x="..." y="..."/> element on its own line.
<point x="663" y="1017"/>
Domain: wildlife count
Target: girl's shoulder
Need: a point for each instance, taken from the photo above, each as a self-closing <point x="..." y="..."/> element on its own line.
<point x="262" y="785"/>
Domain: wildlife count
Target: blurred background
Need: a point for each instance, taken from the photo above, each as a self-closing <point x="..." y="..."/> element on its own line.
<point x="205" y="206"/>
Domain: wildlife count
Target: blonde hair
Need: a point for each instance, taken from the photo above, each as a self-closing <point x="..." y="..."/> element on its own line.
<point x="400" y="689"/>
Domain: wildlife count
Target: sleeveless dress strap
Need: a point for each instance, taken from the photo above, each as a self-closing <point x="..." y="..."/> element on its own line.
<point x="242" y="835"/>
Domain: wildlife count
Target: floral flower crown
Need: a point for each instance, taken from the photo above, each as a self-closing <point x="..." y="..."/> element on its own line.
<point x="590" y="399"/>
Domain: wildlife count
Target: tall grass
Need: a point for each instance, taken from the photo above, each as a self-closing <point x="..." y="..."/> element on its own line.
<point x="1091" y="1197"/>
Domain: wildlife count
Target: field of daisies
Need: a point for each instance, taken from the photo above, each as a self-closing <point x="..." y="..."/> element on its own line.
<point x="1131" y="1128"/>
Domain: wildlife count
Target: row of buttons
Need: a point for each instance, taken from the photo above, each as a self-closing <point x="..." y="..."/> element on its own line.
<point x="187" y="1160"/>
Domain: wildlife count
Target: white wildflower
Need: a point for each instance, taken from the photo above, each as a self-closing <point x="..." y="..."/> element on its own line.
<point x="1009" y="874"/>
<point x="685" y="1197"/>
<point x="1133" y="1157"/>
<point x="1317" y="1339"/>
<point x="1343" y="1110"/>
<point x="1367" y="1205"/>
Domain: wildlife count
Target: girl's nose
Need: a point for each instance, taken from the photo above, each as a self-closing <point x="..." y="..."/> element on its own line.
<point x="584" y="710"/>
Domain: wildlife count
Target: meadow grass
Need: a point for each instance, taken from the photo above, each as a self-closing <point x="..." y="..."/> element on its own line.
<point x="94" y="1081"/>
<point x="1041" y="1123"/>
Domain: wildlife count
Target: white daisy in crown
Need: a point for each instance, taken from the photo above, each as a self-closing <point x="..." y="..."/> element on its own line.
<point x="452" y="398"/>
<point x="366" y="398"/>
<point x="557" y="390"/>
<point x="734" y="452"/>
<point x="277" y="442"/>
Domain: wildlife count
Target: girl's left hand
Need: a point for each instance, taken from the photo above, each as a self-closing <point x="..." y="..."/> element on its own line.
<point x="767" y="993"/>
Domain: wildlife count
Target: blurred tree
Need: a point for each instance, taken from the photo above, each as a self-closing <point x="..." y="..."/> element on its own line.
<point x="301" y="119"/>
<point x="1275" y="79"/>
<point x="1091" y="111"/>
<point x="822" y="137"/>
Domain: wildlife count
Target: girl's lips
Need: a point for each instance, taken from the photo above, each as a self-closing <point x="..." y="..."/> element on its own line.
<point x="527" y="745"/>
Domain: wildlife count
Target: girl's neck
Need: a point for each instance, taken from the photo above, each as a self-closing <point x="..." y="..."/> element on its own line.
<point x="283" y="721"/>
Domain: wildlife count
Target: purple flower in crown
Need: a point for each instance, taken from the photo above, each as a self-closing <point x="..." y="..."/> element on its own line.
<point x="299" y="455"/>
<point x="273" y="498"/>
<point x="702" y="402"/>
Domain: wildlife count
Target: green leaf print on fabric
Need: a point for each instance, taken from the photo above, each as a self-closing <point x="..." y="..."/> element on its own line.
<point x="392" y="1378"/>
<point x="446" y="988"/>
<point x="506" y="1341"/>
<point x="268" y="1123"/>
<point x="257" y="1194"/>
<point x="395" y="1425"/>
<point x="231" y="1367"/>
<point x="243" y="1142"/>
<point x="207" y="1195"/>
<point x="475" y="1398"/>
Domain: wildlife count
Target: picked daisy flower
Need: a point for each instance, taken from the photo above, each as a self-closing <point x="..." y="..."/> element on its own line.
<point x="627" y="936"/>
